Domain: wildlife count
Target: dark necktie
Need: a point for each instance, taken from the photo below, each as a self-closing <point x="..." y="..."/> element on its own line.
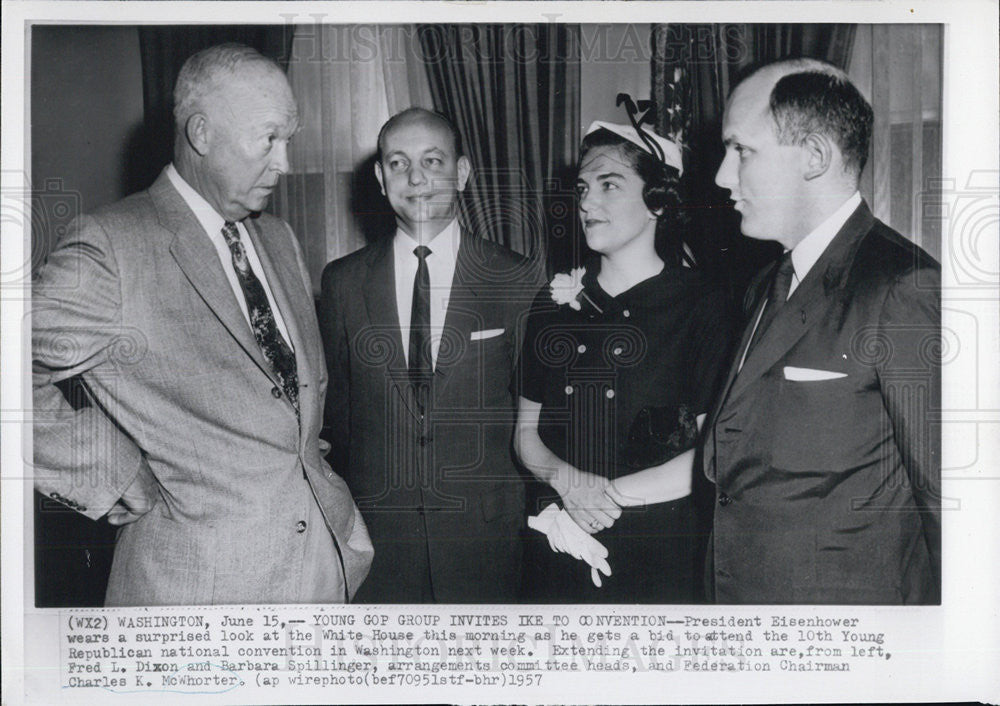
<point x="265" y="329"/>
<point x="776" y="297"/>
<point x="420" y="364"/>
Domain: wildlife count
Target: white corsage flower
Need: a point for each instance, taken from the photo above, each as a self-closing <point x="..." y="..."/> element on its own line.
<point x="566" y="287"/>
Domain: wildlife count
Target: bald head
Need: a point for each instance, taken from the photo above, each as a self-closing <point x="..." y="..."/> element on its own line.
<point x="419" y="116"/>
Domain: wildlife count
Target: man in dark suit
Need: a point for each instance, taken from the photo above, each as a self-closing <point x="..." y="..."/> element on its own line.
<point x="187" y="314"/>
<point x="822" y="448"/>
<point x="421" y="337"/>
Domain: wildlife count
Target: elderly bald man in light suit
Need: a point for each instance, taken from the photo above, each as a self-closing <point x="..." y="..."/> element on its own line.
<point x="188" y="315"/>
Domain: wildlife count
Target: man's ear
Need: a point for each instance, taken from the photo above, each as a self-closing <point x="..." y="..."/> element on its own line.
<point x="464" y="169"/>
<point x="196" y="131"/>
<point x="378" y="176"/>
<point x="818" y="154"/>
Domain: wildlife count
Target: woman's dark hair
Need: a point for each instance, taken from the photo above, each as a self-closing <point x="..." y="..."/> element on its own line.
<point x="661" y="191"/>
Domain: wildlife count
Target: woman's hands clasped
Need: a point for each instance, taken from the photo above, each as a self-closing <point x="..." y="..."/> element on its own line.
<point x="587" y="498"/>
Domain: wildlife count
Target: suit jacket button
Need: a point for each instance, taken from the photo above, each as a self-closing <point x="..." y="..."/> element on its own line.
<point x="724" y="499"/>
<point x="300" y="526"/>
<point x="275" y="393"/>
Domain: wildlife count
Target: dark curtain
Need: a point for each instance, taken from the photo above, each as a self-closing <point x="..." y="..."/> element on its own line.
<point x="513" y="93"/>
<point x="694" y="69"/>
<point x="164" y="50"/>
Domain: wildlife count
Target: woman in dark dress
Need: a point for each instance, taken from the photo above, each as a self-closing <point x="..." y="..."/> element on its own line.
<point x="619" y="365"/>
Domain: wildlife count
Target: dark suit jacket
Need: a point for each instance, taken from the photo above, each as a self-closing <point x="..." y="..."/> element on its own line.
<point x="828" y="491"/>
<point x="440" y="493"/>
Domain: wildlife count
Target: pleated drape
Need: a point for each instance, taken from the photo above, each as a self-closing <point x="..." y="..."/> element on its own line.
<point x="348" y="80"/>
<point x="513" y="92"/>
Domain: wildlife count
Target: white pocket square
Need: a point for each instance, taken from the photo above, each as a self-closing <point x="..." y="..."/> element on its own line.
<point x="485" y="333"/>
<point x="811" y="374"/>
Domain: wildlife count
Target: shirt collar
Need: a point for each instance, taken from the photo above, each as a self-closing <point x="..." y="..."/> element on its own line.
<point x="810" y="248"/>
<point x="209" y="218"/>
<point x="444" y="245"/>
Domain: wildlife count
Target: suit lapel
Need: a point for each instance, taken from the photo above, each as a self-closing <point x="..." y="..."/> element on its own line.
<point x="720" y="400"/>
<point x="809" y="300"/>
<point x="788" y="326"/>
<point x="199" y="261"/>
<point x="801" y="311"/>
<point x="748" y="331"/>
<point x="458" y="321"/>
<point x="379" y="291"/>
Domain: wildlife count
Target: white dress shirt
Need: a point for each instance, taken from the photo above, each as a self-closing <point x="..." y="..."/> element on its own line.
<point x="440" y="268"/>
<point x="212" y="223"/>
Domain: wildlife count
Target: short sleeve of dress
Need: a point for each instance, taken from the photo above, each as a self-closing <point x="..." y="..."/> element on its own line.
<point x="710" y="347"/>
<point x="530" y="375"/>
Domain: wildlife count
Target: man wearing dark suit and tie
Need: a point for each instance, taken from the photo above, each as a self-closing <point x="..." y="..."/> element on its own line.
<point x="821" y="446"/>
<point x="421" y="336"/>
<point x="188" y="316"/>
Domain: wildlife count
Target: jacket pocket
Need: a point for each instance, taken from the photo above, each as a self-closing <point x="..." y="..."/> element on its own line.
<point x="820" y="422"/>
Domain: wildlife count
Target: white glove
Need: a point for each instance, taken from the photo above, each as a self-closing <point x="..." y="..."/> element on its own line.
<point x="566" y="536"/>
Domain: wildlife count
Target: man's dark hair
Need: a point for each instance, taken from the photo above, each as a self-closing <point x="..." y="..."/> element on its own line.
<point x="824" y="102"/>
<point x="413" y="115"/>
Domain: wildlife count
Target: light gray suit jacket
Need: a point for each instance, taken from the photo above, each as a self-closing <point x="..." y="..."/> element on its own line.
<point x="135" y="300"/>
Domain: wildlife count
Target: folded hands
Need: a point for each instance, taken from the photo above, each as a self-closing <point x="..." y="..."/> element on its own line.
<point x="590" y="504"/>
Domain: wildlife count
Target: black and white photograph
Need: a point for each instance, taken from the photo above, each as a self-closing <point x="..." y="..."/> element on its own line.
<point x="508" y="426"/>
<point x="425" y="319"/>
